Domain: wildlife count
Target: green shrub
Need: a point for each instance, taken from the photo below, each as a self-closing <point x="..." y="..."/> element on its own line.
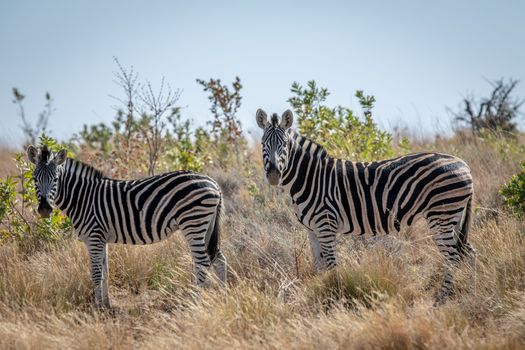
<point x="186" y="149"/>
<point x="513" y="193"/>
<point x="97" y="137"/>
<point x="338" y="128"/>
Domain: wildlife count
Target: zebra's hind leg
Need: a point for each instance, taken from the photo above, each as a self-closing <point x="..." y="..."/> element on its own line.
<point x="201" y="260"/>
<point x="98" y="254"/>
<point x="221" y="267"/>
<point x="446" y="240"/>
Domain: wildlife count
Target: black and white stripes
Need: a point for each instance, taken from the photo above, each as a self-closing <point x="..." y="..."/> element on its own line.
<point x="333" y="196"/>
<point x="143" y="211"/>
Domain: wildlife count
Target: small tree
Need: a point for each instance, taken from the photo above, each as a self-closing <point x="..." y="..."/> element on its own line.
<point x="148" y="131"/>
<point x="33" y="132"/>
<point x="226" y="131"/>
<point x="157" y="106"/>
<point x="224" y="107"/>
<point x="152" y="107"/>
<point x="496" y="112"/>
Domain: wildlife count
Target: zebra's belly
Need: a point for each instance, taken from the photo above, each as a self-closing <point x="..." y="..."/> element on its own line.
<point x="347" y="229"/>
<point x="378" y="224"/>
<point x="141" y="239"/>
<point x="346" y="217"/>
<point x="388" y="225"/>
<point x="142" y="234"/>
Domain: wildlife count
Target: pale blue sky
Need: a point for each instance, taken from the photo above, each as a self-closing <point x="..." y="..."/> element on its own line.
<point x="416" y="57"/>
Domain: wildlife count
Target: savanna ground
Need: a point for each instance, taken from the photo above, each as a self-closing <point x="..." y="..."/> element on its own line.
<point x="380" y="296"/>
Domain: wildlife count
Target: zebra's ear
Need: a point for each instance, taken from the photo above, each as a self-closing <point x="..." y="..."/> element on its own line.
<point x="32" y="154"/>
<point x="286" y="119"/>
<point x="60" y="157"/>
<point x="262" y="118"/>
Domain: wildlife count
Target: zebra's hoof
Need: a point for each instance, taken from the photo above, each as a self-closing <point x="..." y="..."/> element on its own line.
<point x="104" y="306"/>
<point x="110" y="311"/>
<point x="439" y="302"/>
<point x="441" y="298"/>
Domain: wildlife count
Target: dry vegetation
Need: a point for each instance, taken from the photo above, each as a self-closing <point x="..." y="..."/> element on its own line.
<point x="380" y="296"/>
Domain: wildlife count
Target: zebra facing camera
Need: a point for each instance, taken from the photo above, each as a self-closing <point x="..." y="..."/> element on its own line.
<point x="46" y="163"/>
<point x="274" y="141"/>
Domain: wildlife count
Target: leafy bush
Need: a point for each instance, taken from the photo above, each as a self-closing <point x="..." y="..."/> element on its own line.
<point x="338" y="128"/>
<point x="186" y="149"/>
<point x="224" y="107"/>
<point x="97" y="137"/>
<point x="124" y="148"/>
<point x="513" y="193"/>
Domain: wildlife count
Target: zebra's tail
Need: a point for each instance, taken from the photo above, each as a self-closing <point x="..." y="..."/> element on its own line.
<point x="215" y="235"/>
<point x="463" y="245"/>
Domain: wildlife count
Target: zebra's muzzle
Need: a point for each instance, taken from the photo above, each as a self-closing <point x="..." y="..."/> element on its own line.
<point x="45" y="210"/>
<point x="274" y="177"/>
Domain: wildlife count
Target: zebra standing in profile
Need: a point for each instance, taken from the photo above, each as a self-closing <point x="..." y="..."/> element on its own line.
<point x="142" y="211"/>
<point x="333" y="196"/>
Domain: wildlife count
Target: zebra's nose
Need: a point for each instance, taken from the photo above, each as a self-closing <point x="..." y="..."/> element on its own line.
<point x="273" y="177"/>
<point x="45" y="210"/>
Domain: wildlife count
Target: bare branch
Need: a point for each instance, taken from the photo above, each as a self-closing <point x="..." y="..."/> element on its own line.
<point x="154" y="109"/>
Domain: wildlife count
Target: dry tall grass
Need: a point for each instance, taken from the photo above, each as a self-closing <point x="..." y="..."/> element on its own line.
<point x="380" y="296"/>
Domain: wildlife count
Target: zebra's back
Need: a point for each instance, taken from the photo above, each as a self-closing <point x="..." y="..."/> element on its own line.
<point x="385" y="196"/>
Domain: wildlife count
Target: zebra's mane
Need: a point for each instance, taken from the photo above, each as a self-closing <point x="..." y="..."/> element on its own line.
<point x="93" y="173"/>
<point x="302" y="142"/>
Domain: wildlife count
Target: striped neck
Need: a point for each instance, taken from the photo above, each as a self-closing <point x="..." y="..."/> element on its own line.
<point x="304" y="157"/>
<point x="75" y="180"/>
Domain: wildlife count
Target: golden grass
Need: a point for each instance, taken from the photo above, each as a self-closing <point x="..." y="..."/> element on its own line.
<point x="380" y="297"/>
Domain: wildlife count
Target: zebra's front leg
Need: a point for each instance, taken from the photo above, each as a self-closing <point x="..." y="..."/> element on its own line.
<point x="326" y="239"/>
<point x="316" y="250"/>
<point x="98" y="254"/>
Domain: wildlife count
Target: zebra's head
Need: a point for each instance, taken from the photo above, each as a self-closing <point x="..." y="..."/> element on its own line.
<point x="47" y="166"/>
<point x="275" y="143"/>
